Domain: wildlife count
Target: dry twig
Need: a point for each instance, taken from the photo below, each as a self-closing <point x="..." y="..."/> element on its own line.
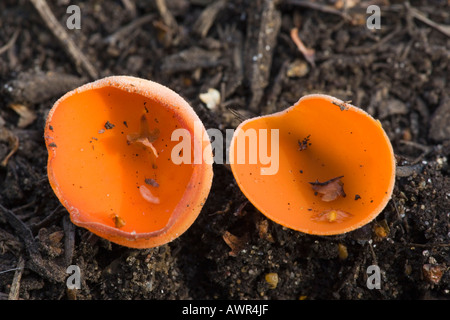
<point x="44" y="268"/>
<point x="68" y="44"/>
<point x="15" y="286"/>
<point x="126" y="30"/>
<point x="13" y="140"/>
<point x="10" y="43"/>
<point x="263" y="27"/>
<point x="206" y="19"/>
<point x="166" y="15"/>
<point x="416" y="14"/>
<point x="319" y="7"/>
<point x="309" y="54"/>
<point x="130" y="6"/>
<point x="69" y="240"/>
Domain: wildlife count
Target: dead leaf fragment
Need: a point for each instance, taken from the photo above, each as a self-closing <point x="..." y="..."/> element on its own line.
<point x="235" y="243"/>
<point x="13" y="141"/>
<point x="26" y="115"/>
<point x="331" y="215"/>
<point x="145" y="137"/>
<point x="56" y="237"/>
<point x="330" y="190"/>
<point x="263" y="230"/>
<point x="433" y="272"/>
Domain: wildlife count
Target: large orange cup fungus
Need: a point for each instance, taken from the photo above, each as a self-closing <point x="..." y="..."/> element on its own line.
<point x="321" y="167"/>
<point x="110" y="161"/>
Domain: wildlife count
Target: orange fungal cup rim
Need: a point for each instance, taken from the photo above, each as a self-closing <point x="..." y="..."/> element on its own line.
<point x="196" y="191"/>
<point x="276" y="214"/>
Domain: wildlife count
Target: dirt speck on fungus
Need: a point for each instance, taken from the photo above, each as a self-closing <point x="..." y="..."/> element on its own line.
<point x="109" y="125"/>
<point x="406" y="61"/>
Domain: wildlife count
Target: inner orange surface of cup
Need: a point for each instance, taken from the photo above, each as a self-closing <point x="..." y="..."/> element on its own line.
<point x="319" y="138"/>
<point x="102" y="178"/>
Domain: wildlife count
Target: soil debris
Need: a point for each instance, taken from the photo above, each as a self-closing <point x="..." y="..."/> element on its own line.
<point x="304" y="144"/>
<point x="245" y="51"/>
<point x="433" y="272"/>
<point x="109" y="125"/>
<point x="235" y="243"/>
<point x="152" y="182"/>
<point x="118" y="221"/>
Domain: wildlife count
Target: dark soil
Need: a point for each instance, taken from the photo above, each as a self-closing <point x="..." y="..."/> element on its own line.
<point x="243" y="48"/>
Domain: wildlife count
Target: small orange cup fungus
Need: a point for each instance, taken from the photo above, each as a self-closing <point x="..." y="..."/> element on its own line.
<point x="110" y="162"/>
<point x="321" y="167"/>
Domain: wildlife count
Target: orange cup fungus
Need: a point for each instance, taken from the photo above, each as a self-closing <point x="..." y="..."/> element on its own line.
<point x="324" y="167"/>
<point x="110" y="162"/>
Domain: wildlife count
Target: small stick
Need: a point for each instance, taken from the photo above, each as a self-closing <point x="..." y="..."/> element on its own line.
<point x="67" y="42"/>
<point x="9" y="270"/>
<point x="317" y="183"/>
<point x="319" y="7"/>
<point x="207" y="17"/>
<point x="15" y="286"/>
<point x="13" y="141"/>
<point x="415" y="13"/>
<point x="425" y="245"/>
<point x="130" y="6"/>
<point x="237" y="114"/>
<point x="166" y="15"/>
<point x="46" y="269"/>
<point x="126" y="30"/>
<point x="417" y="145"/>
<point x="307" y="53"/>
<point x="10" y="43"/>
<point x="69" y="240"/>
<point x="54" y="215"/>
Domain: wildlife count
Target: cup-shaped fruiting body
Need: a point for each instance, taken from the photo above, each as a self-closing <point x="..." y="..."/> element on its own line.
<point x="321" y="167"/>
<point x="111" y="162"/>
